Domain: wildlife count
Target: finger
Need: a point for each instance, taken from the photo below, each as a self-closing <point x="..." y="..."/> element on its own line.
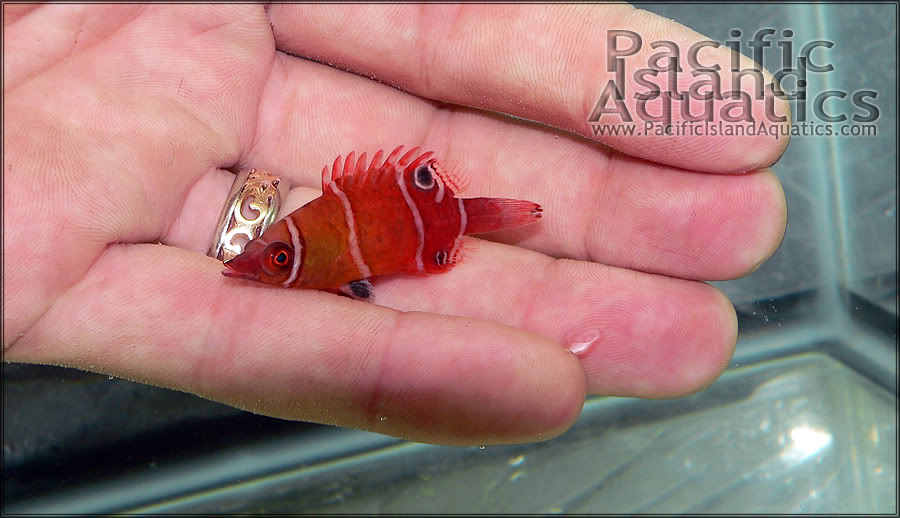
<point x="599" y="206"/>
<point x="168" y="317"/>
<point x="145" y="132"/>
<point x="15" y="12"/>
<point x="35" y="41"/>
<point x="110" y="156"/>
<point x="544" y="63"/>
<point x="638" y="335"/>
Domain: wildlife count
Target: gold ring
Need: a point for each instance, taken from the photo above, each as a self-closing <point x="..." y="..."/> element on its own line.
<point x="252" y="205"/>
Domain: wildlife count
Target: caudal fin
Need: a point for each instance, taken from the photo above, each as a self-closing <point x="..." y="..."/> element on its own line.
<point x="491" y="214"/>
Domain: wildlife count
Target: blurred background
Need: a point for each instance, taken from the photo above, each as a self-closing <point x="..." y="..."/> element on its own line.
<point x="803" y="421"/>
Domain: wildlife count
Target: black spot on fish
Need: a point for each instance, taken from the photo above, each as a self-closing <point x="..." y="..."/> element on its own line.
<point x="424" y="178"/>
<point x="361" y="289"/>
<point x="440" y="258"/>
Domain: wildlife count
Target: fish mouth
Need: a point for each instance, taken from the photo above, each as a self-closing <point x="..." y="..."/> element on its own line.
<point x="231" y="271"/>
<point x="234" y="274"/>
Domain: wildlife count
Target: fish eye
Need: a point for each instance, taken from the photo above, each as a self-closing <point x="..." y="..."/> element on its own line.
<point x="423" y="178"/>
<point x="280" y="257"/>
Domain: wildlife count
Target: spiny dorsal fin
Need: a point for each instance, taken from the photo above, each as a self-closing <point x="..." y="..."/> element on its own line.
<point x="352" y="171"/>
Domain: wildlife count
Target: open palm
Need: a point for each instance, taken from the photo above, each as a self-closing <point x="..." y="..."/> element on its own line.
<point x="121" y="123"/>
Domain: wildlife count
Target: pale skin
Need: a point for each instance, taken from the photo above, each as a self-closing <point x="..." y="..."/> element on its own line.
<point x="121" y="120"/>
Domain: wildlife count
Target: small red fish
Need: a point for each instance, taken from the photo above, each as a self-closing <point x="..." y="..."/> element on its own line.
<point x="400" y="216"/>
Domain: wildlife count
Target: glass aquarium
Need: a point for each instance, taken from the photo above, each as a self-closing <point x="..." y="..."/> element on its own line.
<point x="804" y="420"/>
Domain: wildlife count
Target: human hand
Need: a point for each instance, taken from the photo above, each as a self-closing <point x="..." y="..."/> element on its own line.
<point x="120" y="121"/>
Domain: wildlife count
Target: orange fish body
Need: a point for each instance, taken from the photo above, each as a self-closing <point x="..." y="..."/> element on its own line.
<point x="400" y="216"/>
